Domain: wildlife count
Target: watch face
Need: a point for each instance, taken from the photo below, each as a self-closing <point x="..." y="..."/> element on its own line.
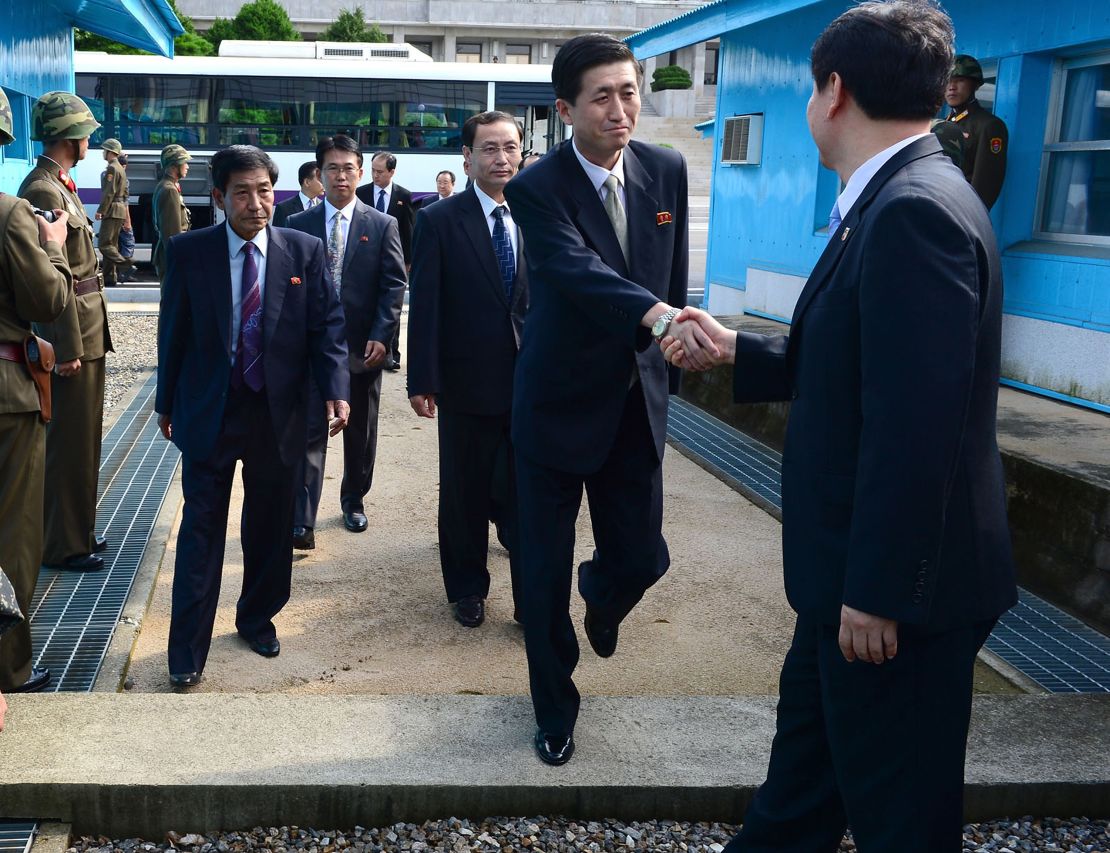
<point x="660" y="326"/>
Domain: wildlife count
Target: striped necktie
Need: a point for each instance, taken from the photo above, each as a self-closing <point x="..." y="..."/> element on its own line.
<point x="503" y="248"/>
<point x="248" y="362"/>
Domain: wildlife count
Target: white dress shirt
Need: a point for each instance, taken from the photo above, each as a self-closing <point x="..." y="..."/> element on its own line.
<point x="235" y="245"/>
<point x="597" y="174"/>
<point x="862" y="176"/>
<point x="306" y="202"/>
<point x="348" y="212"/>
<point x="488" y="205"/>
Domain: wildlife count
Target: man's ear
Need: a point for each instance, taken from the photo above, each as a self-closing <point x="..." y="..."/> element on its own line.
<point x="836" y="95"/>
<point x="218" y="197"/>
<point x="563" y="108"/>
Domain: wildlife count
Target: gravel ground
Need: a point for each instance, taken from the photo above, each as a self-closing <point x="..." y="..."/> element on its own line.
<point x="136" y="340"/>
<point x="507" y="835"/>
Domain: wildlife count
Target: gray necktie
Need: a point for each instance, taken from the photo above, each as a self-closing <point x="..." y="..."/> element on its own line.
<point x="616" y="213"/>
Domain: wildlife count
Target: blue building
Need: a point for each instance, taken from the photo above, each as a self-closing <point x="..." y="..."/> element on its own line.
<point x="1048" y="70"/>
<point x="36" y="56"/>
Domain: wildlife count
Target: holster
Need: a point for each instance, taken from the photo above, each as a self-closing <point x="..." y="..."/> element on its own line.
<point x="40" y="363"/>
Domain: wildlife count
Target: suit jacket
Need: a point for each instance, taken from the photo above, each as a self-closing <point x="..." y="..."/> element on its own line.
<point x="585" y="304"/>
<point x="399" y="207"/>
<point x="302" y="329"/>
<point x="893" y="493"/>
<point x="285" y="209"/>
<point x="463" y="332"/>
<point x="373" y="276"/>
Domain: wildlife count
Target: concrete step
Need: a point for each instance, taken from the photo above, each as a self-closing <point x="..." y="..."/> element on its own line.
<point x="123" y="765"/>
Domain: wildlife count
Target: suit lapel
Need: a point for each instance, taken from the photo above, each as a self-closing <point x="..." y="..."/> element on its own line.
<point x="640" y="208"/>
<point x="591" y="216"/>
<point x="217" y="265"/>
<point x="277" y="282"/>
<point x="476" y="233"/>
<point x="317" y="222"/>
<point x="356" y="230"/>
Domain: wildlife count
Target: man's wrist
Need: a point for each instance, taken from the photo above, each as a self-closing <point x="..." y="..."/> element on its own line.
<point x="654" y="313"/>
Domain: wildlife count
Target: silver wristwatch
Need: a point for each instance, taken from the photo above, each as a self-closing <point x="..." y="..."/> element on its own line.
<point x="660" y="326"/>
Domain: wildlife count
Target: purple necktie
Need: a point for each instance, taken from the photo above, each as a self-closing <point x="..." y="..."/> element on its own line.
<point x="248" y="359"/>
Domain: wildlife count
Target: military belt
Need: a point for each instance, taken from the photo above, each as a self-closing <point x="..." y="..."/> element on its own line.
<point x="12" y="352"/>
<point x="89" y="285"/>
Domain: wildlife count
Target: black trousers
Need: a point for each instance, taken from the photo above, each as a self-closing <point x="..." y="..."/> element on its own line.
<point x="878" y="748"/>
<point x="360" y="450"/>
<point x="626" y="510"/>
<point x="476" y="486"/>
<point x="267" y="533"/>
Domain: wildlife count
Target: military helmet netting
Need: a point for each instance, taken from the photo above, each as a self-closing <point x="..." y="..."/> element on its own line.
<point x="174" y="154"/>
<point x="7" y="125"/>
<point x="61" y="115"/>
<point x="112" y="145"/>
<point x="967" y="66"/>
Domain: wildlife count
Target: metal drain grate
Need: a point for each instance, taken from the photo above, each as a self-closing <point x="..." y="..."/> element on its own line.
<point x="73" y="615"/>
<point x="16" y="835"/>
<point x="1054" y="649"/>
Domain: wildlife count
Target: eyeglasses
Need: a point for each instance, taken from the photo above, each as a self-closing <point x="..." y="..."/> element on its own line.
<point x="333" y="169"/>
<point x="493" y="150"/>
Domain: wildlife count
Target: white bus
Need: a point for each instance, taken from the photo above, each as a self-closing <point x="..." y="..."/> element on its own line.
<point x="284" y="96"/>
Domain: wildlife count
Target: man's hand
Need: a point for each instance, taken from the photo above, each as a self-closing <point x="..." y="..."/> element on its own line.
<point x="424" y="405"/>
<point x="99" y="216"/>
<point x="166" y="425"/>
<point x="338" y="412"/>
<point x="68" y="368"/>
<point x="695" y="324"/>
<point x="56" y="231"/>
<point x="697" y="345"/>
<point x="374" y="354"/>
<point x="870" y="638"/>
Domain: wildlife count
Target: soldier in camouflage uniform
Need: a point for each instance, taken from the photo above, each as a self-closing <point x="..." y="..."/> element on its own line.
<point x="34" y="286"/>
<point x="113" y="214"/>
<point x="171" y="216"/>
<point x="62" y="122"/>
<point x="985" y="137"/>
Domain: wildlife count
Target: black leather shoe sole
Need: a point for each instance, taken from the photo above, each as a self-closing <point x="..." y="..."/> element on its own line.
<point x="603" y="638"/>
<point x="305" y="539"/>
<point x="266" y="648"/>
<point x="355" y="522"/>
<point x="470" y="612"/>
<point x="184" y="679"/>
<point x="99" y="544"/>
<point x="82" y="563"/>
<point x="36" y="681"/>
<point x="555" y="750"/>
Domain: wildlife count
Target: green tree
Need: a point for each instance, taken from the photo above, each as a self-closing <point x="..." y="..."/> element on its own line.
<point x="351" y="26"/>
<point x="265" y="20"/>
<point x="222" y="28"/>
<point x="190" y="43"/>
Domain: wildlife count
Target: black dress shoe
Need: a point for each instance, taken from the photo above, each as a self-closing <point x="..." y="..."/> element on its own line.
<point x="99" y="544"/>
<point x="267" y="648"/>
<point x="36" y="681"/>
<point x="355" y="521"/>
<point x="303" y="538"/>
<point x="602" y="637"/>
<point x="553" y="749"/>
<point x="470" y="612"/>
<point x="80" y="563"/>
<point x="184" y="679"/>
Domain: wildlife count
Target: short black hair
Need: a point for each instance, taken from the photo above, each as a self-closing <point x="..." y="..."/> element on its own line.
<point x="894" y="57"/>
<point x="471" y="125"/>
<point x="306" y="171"/>
<point x="582" y="53"/>
<point x="339" y="142"/>
<point x="448" y="173"/>
<point x="239" y="158"/>
<point x="390" y="160"/>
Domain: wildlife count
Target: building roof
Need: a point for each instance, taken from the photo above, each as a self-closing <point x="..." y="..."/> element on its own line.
<point x="145" y="24"/>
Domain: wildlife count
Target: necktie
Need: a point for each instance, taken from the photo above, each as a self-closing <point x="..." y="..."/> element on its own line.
<point x="503" y="248"/>
<point x="381" y="201"/>
<point x="335" y="251"/>
<point x="615" y="210"/>
<point x="834" y="219"/>
<point x="248" y="361"/>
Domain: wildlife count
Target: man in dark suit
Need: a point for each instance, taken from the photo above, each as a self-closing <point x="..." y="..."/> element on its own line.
<point x="896" y="552"/>
<point x="604" y="222"/>
<point x="367" y="269"/>
<point x="468" y="264"/>
<point x="308" y="196"/>
<point x="248" y="312"/>
<point x="387" y="197"/>
<point x="445" y="188"/>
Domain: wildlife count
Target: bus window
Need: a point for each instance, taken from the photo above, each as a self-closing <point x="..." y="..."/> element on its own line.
<point x="156" y="111"/>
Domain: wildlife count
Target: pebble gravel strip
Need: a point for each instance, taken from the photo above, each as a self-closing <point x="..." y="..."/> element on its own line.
<point x="508" y="835"/>
<point x="135" y="337"/>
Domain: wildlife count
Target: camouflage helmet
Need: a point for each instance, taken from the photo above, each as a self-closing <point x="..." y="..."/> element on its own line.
<point x="951" y="139"/>
<point x="61" y="115"/>
<point x="112" y="145"/>
<point x="174" y="154"/>
<point x="968" y="66"/>
<point x="7" y="126"/>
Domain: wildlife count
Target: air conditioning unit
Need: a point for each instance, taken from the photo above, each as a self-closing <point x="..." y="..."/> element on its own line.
<point x="743" y="142"/>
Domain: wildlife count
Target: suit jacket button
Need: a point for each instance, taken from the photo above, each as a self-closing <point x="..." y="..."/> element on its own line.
<point x="794" y="395"/>
<point x="919" y="586"/>
<point x="924" y="564"/>
<point x="917" y="598"/>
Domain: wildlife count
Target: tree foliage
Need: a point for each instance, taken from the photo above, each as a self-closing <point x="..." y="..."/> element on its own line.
<point x="264" y="20"/>
<point x="351" y="26"/>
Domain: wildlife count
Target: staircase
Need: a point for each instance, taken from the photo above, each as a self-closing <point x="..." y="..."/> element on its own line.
<point x="679" y="134"/>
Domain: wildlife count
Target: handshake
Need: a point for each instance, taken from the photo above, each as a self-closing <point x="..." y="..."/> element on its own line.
<point x="695" y="341"/>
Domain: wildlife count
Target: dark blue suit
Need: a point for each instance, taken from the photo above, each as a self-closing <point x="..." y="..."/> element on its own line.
<point x="464" y="333"/>
<point x="578" y="420"/>
<point x="893" y="504"/>
<point x="215" y="425"/>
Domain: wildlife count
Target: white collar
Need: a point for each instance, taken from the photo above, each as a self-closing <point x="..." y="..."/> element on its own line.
<point x="488" y="204"/>
<point x="862" y="176"/>
<point x="597" y="174"/>
<point x="378" y="190"/>
<point x="235" y="243"/>
<point x="306" y="202"/>
<point x="348" y="210"/>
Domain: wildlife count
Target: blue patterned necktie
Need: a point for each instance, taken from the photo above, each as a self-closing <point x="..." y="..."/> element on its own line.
<point x="248" y="361"/>
<point x="381" y="201"/>
<point x="503" y="248"/>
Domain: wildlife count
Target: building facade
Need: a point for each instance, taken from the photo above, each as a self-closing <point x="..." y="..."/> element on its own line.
<point x="1048" y="69"/>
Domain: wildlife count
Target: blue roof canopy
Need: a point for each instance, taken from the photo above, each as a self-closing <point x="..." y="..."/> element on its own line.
<point x="146" y="24"/>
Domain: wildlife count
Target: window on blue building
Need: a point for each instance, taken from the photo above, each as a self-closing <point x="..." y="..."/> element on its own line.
<point x="20" y="149"/>
<point x="1075" y="194"/>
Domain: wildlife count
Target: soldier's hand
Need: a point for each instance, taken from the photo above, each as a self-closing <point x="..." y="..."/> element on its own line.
<point x="99" y="216"/>
<point x="68" y="368"/>
<point x="53" y="232"/>
<point x="166" y="425"/>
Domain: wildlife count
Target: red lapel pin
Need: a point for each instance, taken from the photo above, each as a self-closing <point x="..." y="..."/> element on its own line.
<point x="663" y="218"/>
<point x="294" y="280"/>
<point x="364" y="239"/>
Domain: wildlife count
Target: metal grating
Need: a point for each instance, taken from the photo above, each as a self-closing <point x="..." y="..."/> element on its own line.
<point x="73" y="614"/>
<point x="1056" y="650"/>
<point x="16" y="835"/>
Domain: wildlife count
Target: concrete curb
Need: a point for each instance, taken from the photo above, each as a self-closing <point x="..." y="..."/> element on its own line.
<point x="123" y="766"/>
<point x="52" y="838"/>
